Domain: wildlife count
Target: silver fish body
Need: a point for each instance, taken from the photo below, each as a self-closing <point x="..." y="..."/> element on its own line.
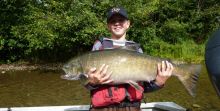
<point x="127" y="65"/>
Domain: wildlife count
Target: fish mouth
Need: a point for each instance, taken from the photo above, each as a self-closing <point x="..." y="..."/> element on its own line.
<point x="69" y="77"/>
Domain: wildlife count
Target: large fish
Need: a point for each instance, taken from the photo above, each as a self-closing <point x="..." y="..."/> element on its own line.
<point x="129" y="66"/>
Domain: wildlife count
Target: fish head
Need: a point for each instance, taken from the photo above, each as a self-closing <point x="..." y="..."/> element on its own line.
<point x="73" y="70"/>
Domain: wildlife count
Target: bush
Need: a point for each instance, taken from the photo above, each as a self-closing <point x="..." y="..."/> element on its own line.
<point x="55" y="30"/>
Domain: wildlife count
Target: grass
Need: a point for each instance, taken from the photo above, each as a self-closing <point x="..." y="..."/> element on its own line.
<point x="187" y="51"/>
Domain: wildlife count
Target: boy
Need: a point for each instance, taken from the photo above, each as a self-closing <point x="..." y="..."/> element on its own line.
<point x="120" y="97"/>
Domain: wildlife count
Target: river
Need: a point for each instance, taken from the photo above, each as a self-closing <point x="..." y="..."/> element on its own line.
<point x="45" y="87"/>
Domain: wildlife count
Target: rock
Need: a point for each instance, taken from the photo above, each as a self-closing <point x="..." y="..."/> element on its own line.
<point x="196" y="106"/>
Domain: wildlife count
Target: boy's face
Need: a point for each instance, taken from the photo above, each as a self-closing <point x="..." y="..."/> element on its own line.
<point x="118" y="25"/>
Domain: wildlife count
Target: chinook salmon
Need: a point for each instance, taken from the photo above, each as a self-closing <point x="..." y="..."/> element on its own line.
<point x="129" y="67"/>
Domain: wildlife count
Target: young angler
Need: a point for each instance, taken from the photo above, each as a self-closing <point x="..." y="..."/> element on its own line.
<point x="120" y="97"/>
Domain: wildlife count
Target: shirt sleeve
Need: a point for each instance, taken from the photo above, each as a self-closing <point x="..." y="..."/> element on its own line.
<point x="151" y="86"/>
<point x="140" y="50"/>
<point x="97" y="46"/>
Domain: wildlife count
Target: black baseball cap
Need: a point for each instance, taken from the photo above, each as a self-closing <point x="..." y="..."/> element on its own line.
<point x="116" y="10"/>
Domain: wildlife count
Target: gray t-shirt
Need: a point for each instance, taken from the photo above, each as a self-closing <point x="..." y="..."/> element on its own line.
<point x="98" y="45"/>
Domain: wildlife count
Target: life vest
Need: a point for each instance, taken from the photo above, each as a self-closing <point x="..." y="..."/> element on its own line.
<point x="114" y="94"/>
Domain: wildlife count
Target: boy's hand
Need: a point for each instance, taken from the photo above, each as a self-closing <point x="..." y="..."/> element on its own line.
<point x="164" y="71"/>
<point x="99" y="76"/>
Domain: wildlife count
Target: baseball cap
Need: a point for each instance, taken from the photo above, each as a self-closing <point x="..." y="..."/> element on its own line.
<point x="117" y="10"/>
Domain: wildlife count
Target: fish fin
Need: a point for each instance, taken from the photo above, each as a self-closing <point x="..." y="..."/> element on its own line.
<point x="189" y="76"/>
<point x="135" y="85"/>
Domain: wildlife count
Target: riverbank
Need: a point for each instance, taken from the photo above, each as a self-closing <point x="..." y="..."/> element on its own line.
<point x="30" y="66"/>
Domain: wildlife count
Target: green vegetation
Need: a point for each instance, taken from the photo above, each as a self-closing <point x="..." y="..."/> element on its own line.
<point x="55" y="30"/>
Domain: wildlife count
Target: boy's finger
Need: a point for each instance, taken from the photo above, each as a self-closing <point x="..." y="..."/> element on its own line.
<point x="104" y="71"/>
<point x="92" y="70"/>
<point x="101" y="68"/>
<point x="106" y="77"/>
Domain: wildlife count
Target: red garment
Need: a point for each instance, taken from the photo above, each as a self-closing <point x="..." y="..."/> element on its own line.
<point x="108" y="95"/>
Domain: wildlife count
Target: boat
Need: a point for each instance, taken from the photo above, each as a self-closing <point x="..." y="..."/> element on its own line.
<point x="152" y="106"/>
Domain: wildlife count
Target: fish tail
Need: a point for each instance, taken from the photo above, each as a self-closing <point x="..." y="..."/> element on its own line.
<point x="189" y="76"/>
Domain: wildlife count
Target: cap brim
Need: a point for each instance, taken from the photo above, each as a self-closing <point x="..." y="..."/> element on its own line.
<point x="110" y="16"/>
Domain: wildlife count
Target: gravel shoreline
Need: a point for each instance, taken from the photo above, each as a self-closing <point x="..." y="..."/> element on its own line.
<point x="49" y="66"/>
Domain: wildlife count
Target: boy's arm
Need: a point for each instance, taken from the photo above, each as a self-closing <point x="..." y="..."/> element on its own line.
<point x="164" y="71"/>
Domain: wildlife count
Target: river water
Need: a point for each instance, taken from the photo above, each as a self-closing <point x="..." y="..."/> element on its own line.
<point x="43" y="88"/>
